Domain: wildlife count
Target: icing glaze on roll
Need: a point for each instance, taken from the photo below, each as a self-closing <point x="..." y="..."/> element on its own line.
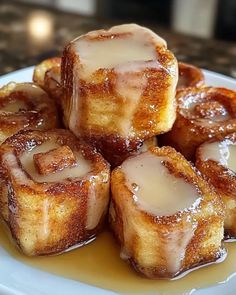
<point x="155" y="189"/>
<point x="81" y="168"/>
<point x="55" y="190"/>
<point x="127" y="50"/>
<point x="223" y="152"/>
<point x="118" y="88"/>
<point x="127" y="47"/>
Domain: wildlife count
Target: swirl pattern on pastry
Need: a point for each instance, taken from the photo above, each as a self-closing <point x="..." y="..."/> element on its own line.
<point x="56" y="190"/>
<point x="47" y="75"/>
<point x="216" y="160"/>
<point x="25" y="106"/>
<point x="202" y="114"/>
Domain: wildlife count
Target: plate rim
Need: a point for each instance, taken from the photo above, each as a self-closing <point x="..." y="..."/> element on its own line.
<point x="72" y="286"/>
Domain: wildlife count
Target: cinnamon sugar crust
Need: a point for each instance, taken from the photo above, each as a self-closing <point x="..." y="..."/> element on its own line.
<point x="147" y="241"/>
<point x="224" y="181"/>
<point x="202" y="114"/>
<point x="112" y="122"/>
<point x="25" y="106"/>
<point x="49" y="217"/>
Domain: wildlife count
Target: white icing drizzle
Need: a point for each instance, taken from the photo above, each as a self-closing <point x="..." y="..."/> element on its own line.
<point x="26" y="159"/>
<point x="175" y="247"/>
<point x="128" y="50"/>
<point x="45" y="230"/>
<point x="75" y="102"/>
<point x="130" y="84"/>
<point x="223" y="152"/>
<point x="133" y="28"/>
<point x="156" y="190"/>
<point x="160" y="193"/>
<point x="111" y="52"/>
<point x="95" y="207"/>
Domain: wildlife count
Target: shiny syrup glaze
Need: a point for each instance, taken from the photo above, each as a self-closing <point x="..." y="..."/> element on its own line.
<point x="99" y="264"/>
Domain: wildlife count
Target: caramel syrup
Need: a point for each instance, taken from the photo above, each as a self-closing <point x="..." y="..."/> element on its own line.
<point x="99" y="264"/>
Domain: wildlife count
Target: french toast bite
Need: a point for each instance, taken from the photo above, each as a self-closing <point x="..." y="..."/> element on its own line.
<point x="25" y="106"/>
<point x="189" y="76"/>
<point x="216" y="159"/>
<point x="164" y="215"/>
<point x="57" y="190"/>
<point x="202" y="114"/>
<point x="118" y="88"/>
<point x="47" y="75"/>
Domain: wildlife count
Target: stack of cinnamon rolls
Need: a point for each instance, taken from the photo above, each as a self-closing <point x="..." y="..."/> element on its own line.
<point x="120" y="92"/>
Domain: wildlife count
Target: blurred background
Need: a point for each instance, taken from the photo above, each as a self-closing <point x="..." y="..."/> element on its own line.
<point x="202" y="32"/>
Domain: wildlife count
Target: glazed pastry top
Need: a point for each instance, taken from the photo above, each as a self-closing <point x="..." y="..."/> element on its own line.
<point x="208" y="106"/>
<point x="156" y="190"/>
<point x="79" y="169"/>
<point x="222" y="152"/>
<point x="123" y="48"/>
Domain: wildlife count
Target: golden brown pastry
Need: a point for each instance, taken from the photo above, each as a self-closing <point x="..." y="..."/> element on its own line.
<point x="47" y="75"/>
<point x="164" y="215"/>
<point x="25" y="106"/>
<point x="216" y="159"/>
<point x="56" y="190"/>
<point x="118" y="88"/>
<point x="189" y="76"/>
<point x="202" y="114"/>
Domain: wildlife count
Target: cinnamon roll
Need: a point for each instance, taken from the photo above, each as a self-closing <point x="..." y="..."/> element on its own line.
<point x="47" y="75"/>
<point x="56" y="190"/>
<point x="164" y="215"/>
<point x="25" y="106"/>
<point x="202" y="114"/>
<point x="216" y="159"/>
<point x="118" y="88"/>
<point x="189" y="76"/>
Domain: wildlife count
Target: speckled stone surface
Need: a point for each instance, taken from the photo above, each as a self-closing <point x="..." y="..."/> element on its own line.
<point x="19" y="48"/>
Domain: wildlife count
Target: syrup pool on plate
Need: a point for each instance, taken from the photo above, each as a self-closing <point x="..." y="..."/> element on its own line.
<point x="99" y="264"/>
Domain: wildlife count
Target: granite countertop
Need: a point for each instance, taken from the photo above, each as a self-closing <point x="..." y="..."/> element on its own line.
<point x="21" y="45"/>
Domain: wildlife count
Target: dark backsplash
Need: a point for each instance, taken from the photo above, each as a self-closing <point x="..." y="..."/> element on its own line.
<point x="20" y="47"/>
<point x="160" y="12"/>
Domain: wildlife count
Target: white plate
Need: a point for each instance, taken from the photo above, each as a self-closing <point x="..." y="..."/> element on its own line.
<point x="18" y="279"/>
